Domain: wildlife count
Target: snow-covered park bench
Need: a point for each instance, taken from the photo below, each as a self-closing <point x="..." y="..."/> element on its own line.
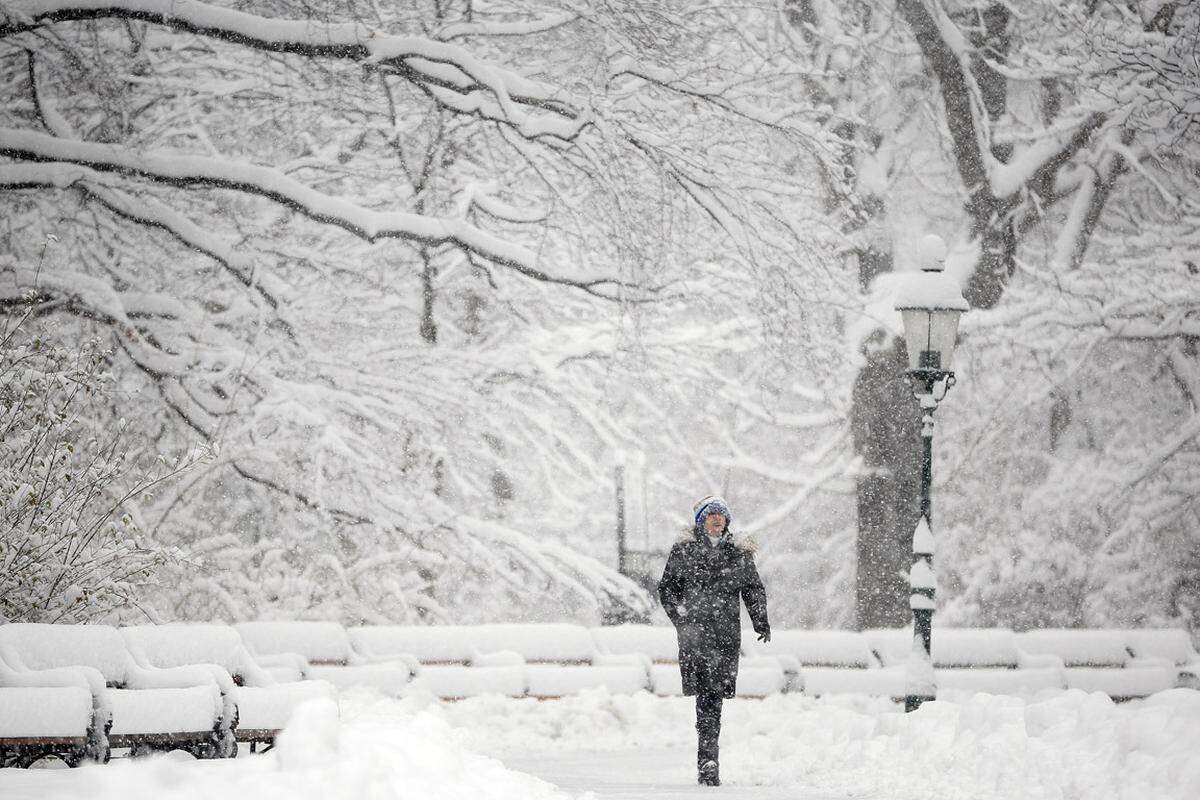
<point x="1169" y="647"/>
<point x="134" y="705"/>
<point x="758" y="676"/>
<point x="543" y="661"/>
<point x="1101" y="661"/>
<point x="828" y="662"/>
<point x="972" y="660"/>
<point x="323" y="651"/>
<point x="49" y="713"/>
<point x="655" y="642"/>
<point x="264" y="704"/>
<point x="563" y="659"/>
<point x="447" y="663"/>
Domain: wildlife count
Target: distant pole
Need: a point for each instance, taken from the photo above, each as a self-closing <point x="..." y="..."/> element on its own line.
<point x="620" y="476"/>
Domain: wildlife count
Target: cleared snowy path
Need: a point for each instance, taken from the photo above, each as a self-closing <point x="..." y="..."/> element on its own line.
<point x="647" y="775"/>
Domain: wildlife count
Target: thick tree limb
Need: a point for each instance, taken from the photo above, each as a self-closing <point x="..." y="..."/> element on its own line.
<point x="991" y="207"/>
<point x="956" y="99"/>
<point x="183" y="170"/>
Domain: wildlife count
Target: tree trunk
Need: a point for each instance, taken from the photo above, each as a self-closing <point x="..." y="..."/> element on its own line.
<point x="885" y="422"/>
<point x="885" y="418"/>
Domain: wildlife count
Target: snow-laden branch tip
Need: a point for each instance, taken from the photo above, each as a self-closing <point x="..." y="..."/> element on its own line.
<point x="455" y="30"/>
<point x="533" y="108"/>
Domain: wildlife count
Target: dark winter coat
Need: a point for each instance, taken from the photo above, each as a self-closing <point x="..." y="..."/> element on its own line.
<point x="700" y="591"/>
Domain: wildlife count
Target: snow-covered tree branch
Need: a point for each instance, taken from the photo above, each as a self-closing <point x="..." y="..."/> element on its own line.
<point x="383" y="270"/>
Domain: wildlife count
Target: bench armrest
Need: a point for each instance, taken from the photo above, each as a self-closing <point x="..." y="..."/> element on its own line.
<point x="141" y="676"/>
<point x="58" y="677"/>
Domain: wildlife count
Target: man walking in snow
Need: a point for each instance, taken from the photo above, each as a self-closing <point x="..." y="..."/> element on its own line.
<point x="700" y="588"/>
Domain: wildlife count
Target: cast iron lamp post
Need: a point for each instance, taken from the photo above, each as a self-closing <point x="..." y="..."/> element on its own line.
<point x="931" y="304"/>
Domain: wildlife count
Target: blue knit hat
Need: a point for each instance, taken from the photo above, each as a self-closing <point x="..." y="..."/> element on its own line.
<point x="712" y="505"/>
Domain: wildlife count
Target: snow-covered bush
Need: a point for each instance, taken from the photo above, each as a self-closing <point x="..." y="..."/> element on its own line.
<point x="71" y="546"/>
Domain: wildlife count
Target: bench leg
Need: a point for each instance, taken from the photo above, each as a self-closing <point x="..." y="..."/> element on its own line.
<point x="26" y="757"/>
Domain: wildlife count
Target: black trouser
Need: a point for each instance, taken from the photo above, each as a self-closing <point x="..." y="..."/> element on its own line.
<point x="710" y="670"/>
<point x="708" y="724"/>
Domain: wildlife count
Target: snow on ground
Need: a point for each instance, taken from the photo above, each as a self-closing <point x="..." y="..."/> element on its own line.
<point x="378" y="756"/>
<point x="1056" y="745"/>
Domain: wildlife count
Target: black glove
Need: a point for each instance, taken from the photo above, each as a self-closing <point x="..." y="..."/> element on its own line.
<point x="765" y="636"/>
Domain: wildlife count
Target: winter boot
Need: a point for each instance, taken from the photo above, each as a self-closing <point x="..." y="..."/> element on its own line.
<point x="710" y="774"/>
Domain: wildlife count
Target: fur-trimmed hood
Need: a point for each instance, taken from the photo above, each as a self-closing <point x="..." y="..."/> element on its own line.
<point x="744" y="542"/>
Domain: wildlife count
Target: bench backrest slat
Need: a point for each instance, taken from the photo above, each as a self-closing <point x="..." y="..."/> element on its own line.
<point x="319" y="642"/>
<point x="658" y="642"/>
<point x="429" y="644"/>
<point x="814" y="648"/>
<point x="552" y="643"/>
<point x="952" y="647"/>
<point x="181" y="644"/>
<point x="1078" y="647"/>
<point x="1173" y="644"/>
<point x="46" y="646"/>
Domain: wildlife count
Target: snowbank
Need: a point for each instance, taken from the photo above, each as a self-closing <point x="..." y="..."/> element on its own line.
<point x="1069" y="745"/>
<point x="270" y="708"/>
<point x="953" y="683"/>
<point x="884" y="682"/>
<point x="390" y="679"/>
<point x="594" y="720"/>
<point x="1065" y="744"/>
<point x="382" y="756"/>
<point x="1062" y="744"/>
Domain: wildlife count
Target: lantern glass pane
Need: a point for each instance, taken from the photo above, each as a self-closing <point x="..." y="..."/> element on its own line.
<point x="930" y="337"/>
<point x="916" y="334"/>
<point x="943" y="335"/>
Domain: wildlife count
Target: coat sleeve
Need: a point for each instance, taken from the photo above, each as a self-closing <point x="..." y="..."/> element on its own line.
<point x="755" y="597"/>
<point x="670" y="588"/>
